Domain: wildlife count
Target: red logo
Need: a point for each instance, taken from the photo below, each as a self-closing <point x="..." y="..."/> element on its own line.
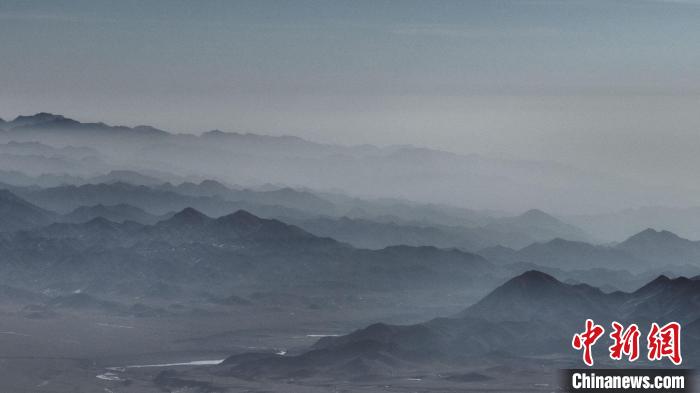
<point x="662" y="342"/>
<point x="625" y="342"/>
<point x="665" y="342"/>
<point x="586" y="339"/>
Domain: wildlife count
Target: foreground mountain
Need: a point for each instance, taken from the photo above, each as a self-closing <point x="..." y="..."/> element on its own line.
<point x="531" y="315"/>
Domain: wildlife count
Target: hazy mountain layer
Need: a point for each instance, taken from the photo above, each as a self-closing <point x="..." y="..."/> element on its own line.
<point x="418" y="174"/>
<point x="194" y="251"/>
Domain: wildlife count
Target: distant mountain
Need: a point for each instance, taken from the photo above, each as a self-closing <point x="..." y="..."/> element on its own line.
<point x="156" y="201"/>
<point x="36" y="148"/>
<point x="39" y="118"/>
<point x="567" y="254"/>
<point x="124" y="176"/>
<point x="539" y="225"/>
<point x="17" y="214"/>
<point x="14" y="178"/>
<point x="204" y="188"/>
<point x="184" y="227"/>
<point x="189" y="225"/>
<point x="43" y="122"/>
<point x="287" y="197"/>
<point x="412" y="173"/>
<point x="499" y="254"/>
<point x="649" y="249"/>
<point x="531" y="315"/>
<point x="116" y="213"/>
<point x="375" y="235"/>
<point x="652" y="245"/>
<point x="195" y="252"/>
<point x="616" y="226"/>
<point x="380" y="232"/>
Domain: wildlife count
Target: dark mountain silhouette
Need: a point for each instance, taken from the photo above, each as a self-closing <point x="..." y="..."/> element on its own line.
<point x="530" y="315"/>
<point x="17" y="214"/>
<point x="536" y="294"/>
<point x="667" y="299"/>
<point x="38" y="118"/>
<point x="48" y="122"/>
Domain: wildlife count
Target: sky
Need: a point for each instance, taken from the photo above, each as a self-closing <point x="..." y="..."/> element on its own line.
<point x="602" y="85"/>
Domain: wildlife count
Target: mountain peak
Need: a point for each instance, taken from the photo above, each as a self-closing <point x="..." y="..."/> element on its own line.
<point x="538" y="216"/>
<point x="660" y="282"/>
<point x="241" y="217"/>
<point x="652" y="235"/>
<point x="213" y="185"/>
<point x="528" y="284"/>
<point x="534" y="295"/>
<point x="535" y="213"/>
<point x="533" y="277"/>
<point x="188" y="216"/>
<point x="41" y="116"/>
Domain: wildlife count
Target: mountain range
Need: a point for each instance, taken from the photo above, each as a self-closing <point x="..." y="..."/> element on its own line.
<point x="133" y="230"/>
<point x="644" y="250"/>
<point x="362" y="223"/>
<point x="531" y="317"/>
<point x="445" y="178"/>
<point x="17" y="214"/>
<point x="199" y="253"/>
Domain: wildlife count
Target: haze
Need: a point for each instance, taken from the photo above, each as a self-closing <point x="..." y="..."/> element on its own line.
<point x="313" y="196"/>
<point x="605" y="86"/>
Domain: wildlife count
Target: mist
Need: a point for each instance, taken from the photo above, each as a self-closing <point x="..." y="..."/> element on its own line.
<point x="358" y="196"/>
